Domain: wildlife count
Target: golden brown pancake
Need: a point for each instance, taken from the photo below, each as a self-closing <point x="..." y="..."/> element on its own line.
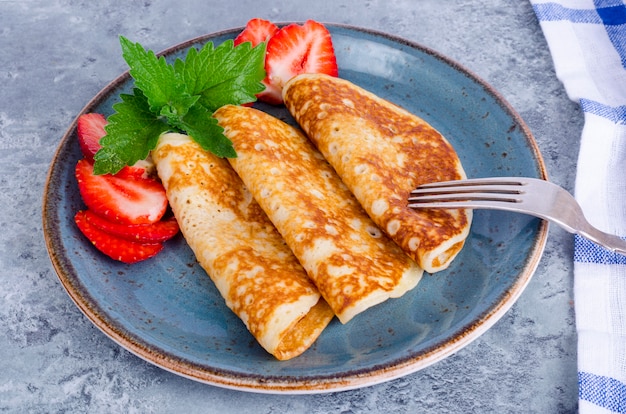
<point x="353" y="264"/>
<point x="234" y="241"/>
<point x="382" y="152"/>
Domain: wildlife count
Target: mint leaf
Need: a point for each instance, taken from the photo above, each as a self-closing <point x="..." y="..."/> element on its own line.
<point x="165" y="91"/>
<point x="203" y="128"/>
<point x="132" y="132"/>
<point x="180" y="97"/>
<point x="223" y="75"/>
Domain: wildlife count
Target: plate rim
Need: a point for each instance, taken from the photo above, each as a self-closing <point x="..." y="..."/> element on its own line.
<point x="315" y="383"/>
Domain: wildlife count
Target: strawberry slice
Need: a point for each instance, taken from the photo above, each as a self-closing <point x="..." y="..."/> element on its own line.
<point x="158" y="232"/>
<point x="256" y="31"/>
<point x="129" y="199"/>
<point x="90" y="128"/>
<point x="294" y="50"/>
<point x="116" y="248"/>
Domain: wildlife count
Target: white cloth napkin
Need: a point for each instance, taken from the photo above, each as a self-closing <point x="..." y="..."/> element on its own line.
<point x="587" y="40"/>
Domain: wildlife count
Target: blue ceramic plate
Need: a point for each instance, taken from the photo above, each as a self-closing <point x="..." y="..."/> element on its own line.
<point x="167" y="311"/>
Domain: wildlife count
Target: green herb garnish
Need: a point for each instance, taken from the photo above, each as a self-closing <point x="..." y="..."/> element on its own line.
<point x="180" y="97"/>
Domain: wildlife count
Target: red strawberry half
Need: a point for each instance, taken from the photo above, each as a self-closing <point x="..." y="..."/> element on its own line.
<point x="129" y="199"/>
<point x="90" y="128"/>
<point x="158" y="232"/>
<point x="294" y="50"/>
<point x="116" y="248"/>
<point x="256" y="31"/>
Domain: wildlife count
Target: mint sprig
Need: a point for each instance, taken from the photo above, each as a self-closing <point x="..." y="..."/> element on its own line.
<point x="180" y="97"/>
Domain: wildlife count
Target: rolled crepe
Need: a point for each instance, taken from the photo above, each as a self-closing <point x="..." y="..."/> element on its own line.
<point x="353" y="264"/>
<point x="382" y="152"/>
<point x="234" y="241"/>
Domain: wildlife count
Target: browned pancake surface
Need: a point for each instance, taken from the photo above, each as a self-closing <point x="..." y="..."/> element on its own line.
<point x="353" y="264"/>
<point x="382" y="152"/>
<point x="243" y="253"/>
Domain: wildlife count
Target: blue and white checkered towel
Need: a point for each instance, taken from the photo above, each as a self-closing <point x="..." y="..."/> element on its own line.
<point x="587" y="40"/>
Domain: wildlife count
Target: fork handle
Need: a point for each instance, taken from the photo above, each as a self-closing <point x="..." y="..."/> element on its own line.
<point x="610" y="241"/>
<point x="573" y="220"/>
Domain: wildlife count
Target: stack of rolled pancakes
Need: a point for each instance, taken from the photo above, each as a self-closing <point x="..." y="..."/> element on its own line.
<point x="301" y="228"/>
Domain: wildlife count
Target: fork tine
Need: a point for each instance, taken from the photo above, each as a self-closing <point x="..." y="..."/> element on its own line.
<point x="492" y="189"/>
<point x="509" y="197"/>
<point x="468" y="189"/>
<point x="513" y="181"/>
<point x="467" y="204"/>
<point x="526" y="195"/>
<point x="473" y="193"/>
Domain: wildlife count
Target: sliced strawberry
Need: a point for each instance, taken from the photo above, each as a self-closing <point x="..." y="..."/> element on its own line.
<point x="121" y="198"/>
<point x="90" y="128"/>
<point x="256" y="31"/>
<point x="293" y="50"/>
<point x="146" y="167"/>
<point x="133" y="172"/>
<point x="116" y="248"/>
<point x="158" y="232"/>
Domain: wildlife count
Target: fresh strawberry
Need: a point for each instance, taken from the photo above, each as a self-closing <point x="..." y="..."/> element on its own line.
<point x="116" y="248"/>
<point x="90" y="128"/>
<point x="136" y="172"/>
<point x="293" y="50"/>
<point x="158" y="232"/>
<point x="128" y="199"/>
<point x="256" y="31"/>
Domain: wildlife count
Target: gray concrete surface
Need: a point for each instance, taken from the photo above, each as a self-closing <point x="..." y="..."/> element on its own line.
<point x="57" y="54"/>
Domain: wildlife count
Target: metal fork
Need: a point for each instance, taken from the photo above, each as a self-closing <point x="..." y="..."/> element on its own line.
<point x="532" y="196"/>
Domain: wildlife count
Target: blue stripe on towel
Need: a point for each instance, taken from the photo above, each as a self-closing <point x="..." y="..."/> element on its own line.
<point x="604" y="392"/>
<point x="586" y="251"/>
<point x="615" y="114"/>
<point x="607" y="3"/>
<point x="609" y="13"/>
<point x="613" y="15"/>
<point x="555" y="12"/>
